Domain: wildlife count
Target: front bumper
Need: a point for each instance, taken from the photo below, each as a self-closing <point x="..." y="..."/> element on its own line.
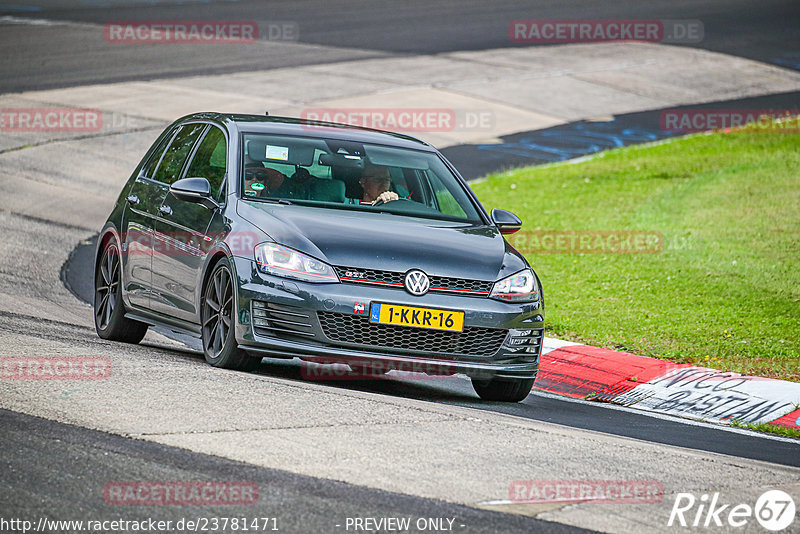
<point x="516" y="357"/>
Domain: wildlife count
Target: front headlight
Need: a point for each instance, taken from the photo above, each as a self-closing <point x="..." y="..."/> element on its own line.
<point x="519" y="287"/>
<point x="276" y="259"/>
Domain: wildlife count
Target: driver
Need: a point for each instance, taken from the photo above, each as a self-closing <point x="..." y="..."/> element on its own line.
<point x="376" y="181"/>
<point x="260" y="181"/>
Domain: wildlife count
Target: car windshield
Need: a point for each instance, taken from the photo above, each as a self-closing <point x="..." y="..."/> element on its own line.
<point x="332" y="173"/>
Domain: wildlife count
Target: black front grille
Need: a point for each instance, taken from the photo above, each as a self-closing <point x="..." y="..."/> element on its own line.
<point x="439" y="284"/>
<point x="461" y="284"/>
<point x="273" y="320"/>
<point x="366" y="276"/>
<point x="357" y="330"/>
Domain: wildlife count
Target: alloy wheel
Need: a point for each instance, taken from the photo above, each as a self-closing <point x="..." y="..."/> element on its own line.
<point x="217" y="312"/>
<point x="106" y="286"/>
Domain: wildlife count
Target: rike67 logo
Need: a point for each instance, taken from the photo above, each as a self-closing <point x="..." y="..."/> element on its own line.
<point x="774" y="510"/>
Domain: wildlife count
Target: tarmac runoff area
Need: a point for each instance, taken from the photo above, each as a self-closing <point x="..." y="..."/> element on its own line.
<point x="445" y="99"/>
<point x="57" y="189"/>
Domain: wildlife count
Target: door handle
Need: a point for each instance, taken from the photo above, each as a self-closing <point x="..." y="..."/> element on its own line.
<point x="133" y="200"/>
<point x="164" y="209"/>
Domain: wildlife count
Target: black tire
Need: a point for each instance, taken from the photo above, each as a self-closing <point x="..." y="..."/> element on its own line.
<point x="109" y="310"/>
<point x="503" y="389"/>
<point x="217" y="316"/>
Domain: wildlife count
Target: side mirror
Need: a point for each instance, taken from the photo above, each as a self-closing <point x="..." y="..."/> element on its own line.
<point x="196" y="190"/>
<point x="507" y="222"/>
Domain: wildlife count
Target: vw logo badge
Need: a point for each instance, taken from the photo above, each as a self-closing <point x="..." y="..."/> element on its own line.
<point x="417" y="282"/>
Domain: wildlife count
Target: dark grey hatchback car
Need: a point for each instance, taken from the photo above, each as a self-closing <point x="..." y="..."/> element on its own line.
<point x="278" y="237"/>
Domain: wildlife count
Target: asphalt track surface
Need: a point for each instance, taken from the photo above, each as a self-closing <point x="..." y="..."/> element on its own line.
<point x="39" y="57"/>
<point x="69" y="55"/>
<point x="583" y="138"/>
<point x="72" y="488"/>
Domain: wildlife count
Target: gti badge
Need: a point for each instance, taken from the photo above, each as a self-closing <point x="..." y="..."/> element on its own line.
<point x="417" y="282"/>
<point x="359" y="308"/>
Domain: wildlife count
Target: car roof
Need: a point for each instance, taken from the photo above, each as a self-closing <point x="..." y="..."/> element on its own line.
<point x="309" y="128"/>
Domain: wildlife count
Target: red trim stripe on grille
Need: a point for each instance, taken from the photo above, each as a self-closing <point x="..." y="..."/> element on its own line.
<point x="392" y="284"/>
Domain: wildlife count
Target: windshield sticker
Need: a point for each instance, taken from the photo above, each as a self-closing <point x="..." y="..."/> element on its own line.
<point x="257" y="186"/>
<point x="250" y="193"/>
<point x="278" y="152"/>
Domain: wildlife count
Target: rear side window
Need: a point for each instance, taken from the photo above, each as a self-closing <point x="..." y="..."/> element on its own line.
<point x="209" y="160"/>
<point x="175" y="156"/>
<point x="152" y="165"/>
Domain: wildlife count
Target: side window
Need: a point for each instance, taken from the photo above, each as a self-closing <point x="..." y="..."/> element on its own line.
<point x="175" y="155"/>
<point x="400" y="184"/>
<point x="209" y="160"/>
<point x="444" y="197"/>
<point x="150" y="168"/>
